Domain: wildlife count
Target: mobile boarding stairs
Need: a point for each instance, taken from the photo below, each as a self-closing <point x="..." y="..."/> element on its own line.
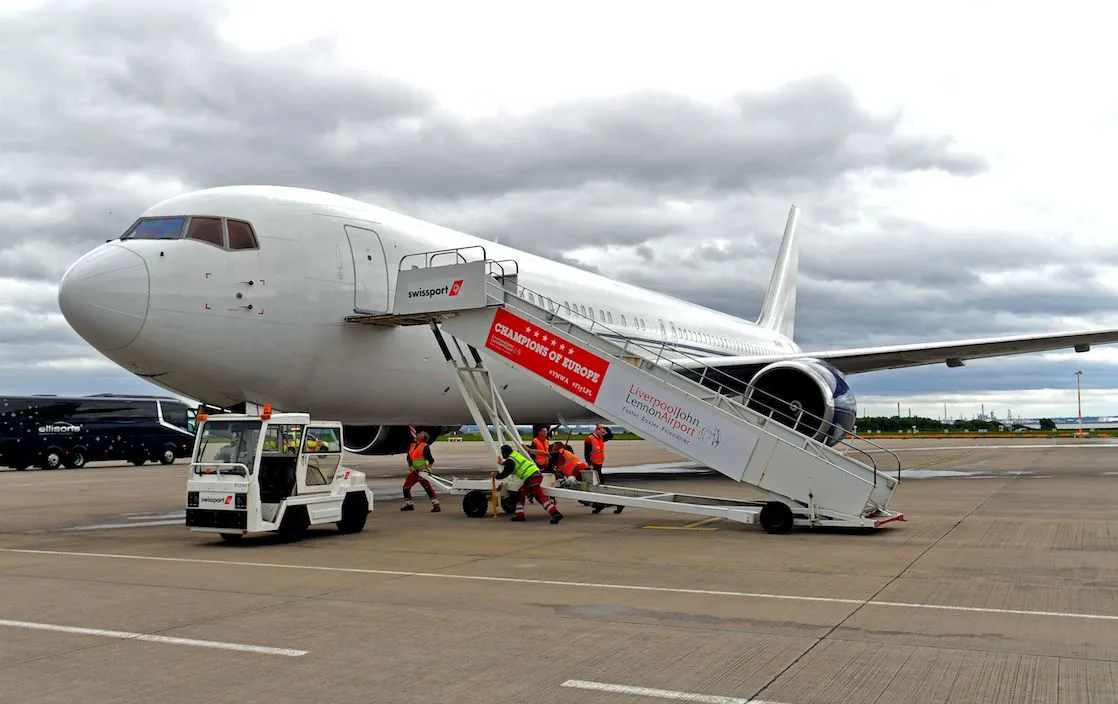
<point x="480" y="304"/>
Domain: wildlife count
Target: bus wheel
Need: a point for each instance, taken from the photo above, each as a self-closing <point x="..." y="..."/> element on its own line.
<point x="53" y="459"/>
<point x="168" y="456"/>
<point x="76" y="460"/>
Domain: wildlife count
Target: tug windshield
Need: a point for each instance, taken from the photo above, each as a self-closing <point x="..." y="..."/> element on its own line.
<point x="228" y="441"/>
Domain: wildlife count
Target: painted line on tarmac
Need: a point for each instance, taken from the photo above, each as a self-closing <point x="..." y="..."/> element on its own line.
<point x="660" y="693"/>
<point x="152" y="638"/>
<point x="561" y="583"/>
<point x="697" y="525"/>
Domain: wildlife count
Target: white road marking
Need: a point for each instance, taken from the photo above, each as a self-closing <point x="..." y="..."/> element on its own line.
<point x="660" y="693"/>
<point x="151" y="638"/>
<point x="62" y="482"/>
<point x="560" y="583"/>
<point x="131" y="524"/>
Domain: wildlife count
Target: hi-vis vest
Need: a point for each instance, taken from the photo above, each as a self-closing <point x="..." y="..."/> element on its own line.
<point x="541" y="452"/>
<point x="570" y="463"/>
<point x="597" y="449"/>
<point x="523" y="467"/>
<point x="416" y="460"/>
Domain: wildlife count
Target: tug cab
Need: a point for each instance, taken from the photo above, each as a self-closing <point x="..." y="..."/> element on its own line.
<point x="270" y="472"/>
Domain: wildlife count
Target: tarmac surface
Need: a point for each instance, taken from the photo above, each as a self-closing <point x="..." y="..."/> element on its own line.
<point x="1002" y="586"/>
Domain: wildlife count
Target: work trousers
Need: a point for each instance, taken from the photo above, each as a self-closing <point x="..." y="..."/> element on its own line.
<point x="531" y="487"/>
<point x="414" y="478"/>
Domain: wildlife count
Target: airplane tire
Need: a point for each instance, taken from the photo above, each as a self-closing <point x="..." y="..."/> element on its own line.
<point x="475" y="504"/>
<point x="355" y="511"/>
<point x="776" y="517"/>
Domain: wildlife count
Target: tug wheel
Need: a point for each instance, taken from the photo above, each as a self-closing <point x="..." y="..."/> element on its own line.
<point x="355" y="512"/>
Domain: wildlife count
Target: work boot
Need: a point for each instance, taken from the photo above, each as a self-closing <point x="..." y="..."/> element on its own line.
<point x="407" y="507"/>
<point x="556" y="517"/>
<point x="618" y="509"/>
<point x="518" y="519"/>
<point x="435" y="509"/>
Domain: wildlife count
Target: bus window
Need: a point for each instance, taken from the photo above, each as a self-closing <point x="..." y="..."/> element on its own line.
<point x="177" y="415"/>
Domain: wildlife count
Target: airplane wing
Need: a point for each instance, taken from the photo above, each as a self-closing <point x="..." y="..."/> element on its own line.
<point x="953" y="353"/>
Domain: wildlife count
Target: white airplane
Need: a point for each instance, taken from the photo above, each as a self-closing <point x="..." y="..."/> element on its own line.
<point x="239" y="295"/>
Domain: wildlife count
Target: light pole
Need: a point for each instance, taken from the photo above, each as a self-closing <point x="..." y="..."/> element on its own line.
<point x="1079" y="400"/>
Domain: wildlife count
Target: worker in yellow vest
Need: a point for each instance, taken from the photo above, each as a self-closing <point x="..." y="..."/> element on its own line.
<point x="526" y="470"/>
<point x="420" y="461"/>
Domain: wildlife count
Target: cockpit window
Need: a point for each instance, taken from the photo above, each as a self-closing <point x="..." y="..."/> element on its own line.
<point x="169" y="228"/>
<point x="206" y="230"/>
<point x="212" y="230"/>
<point x="241" y="235"/>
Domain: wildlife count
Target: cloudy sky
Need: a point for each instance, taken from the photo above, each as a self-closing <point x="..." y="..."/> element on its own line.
<point x="953" y="167"/>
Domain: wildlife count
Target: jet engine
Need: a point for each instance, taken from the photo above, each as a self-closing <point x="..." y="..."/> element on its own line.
<point x="384" y="439"/>
<point x="807" y="395"/>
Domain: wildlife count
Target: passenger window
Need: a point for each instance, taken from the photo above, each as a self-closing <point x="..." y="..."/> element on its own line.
<point x="206" y="230"/>
<point x="623" y="320"/>
<point x="241" y="235"/>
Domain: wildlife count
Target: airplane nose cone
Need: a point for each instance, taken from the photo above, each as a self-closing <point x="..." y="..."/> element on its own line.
<point x="104" y="297"/>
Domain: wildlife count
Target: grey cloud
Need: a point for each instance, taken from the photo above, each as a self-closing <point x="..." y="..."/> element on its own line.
<point x="111" y="107"/>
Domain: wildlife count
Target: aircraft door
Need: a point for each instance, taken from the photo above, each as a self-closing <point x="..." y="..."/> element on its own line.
<point x="370" y="270"/>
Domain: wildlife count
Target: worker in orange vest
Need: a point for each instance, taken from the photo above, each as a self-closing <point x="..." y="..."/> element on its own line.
<point x="539" y="447"/>
<point x="570" y="466"/>
<point x="565" y="463"/>
<point x="594" y="448"/>
<point x="420" y="461"/>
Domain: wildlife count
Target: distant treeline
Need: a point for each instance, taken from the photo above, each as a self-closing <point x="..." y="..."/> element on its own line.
<point x="894" y="424"/>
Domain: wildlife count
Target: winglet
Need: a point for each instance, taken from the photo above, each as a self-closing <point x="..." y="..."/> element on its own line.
<point x="778" y="312"/>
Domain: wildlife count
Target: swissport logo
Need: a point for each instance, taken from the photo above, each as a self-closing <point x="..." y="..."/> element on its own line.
<point x="218" y="500"/>
<point x="444" y="290"/>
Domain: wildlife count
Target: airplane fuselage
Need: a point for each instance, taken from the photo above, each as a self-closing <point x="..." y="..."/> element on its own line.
<point x="265" y="324"/>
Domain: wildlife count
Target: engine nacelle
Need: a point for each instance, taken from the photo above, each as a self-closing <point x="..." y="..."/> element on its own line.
<point x="807" y="395"/>
<point x="384" y="439"/>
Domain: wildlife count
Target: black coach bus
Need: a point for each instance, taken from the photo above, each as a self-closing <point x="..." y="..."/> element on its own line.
<point x="68" y="431"/>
